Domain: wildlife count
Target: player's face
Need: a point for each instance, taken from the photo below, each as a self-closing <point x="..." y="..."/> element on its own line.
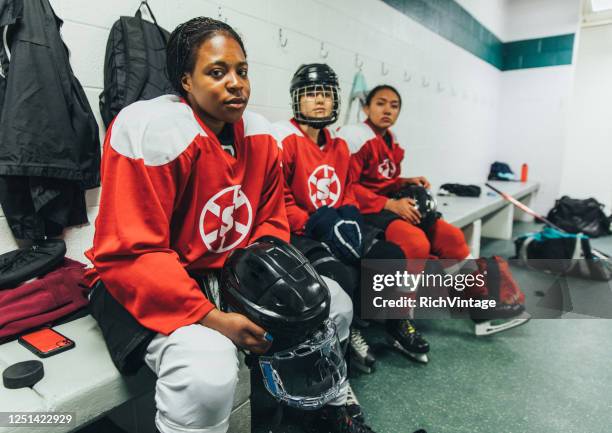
<point x="317" y="102"/>
<point x="383" y="109"/>
<point x="219" y="88"/>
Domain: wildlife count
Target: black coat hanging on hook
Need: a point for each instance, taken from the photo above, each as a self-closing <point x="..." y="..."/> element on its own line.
<point x="49" y="143"/>
<point x="135" y="63"/>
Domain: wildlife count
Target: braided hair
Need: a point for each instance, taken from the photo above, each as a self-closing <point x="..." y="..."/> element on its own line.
<point x="380" y="87"/>
<point x="183" y="44"/>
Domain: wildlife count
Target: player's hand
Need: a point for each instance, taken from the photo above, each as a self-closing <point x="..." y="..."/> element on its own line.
<point x="238" y="328"/>
<point x="405" y="208"/>
<point x="419" y="180"/>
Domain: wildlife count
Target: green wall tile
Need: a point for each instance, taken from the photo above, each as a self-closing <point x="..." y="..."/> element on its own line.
<point x="448" y="19"/>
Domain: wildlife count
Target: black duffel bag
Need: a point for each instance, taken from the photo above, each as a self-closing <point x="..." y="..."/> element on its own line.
<point x="580" y="216"/>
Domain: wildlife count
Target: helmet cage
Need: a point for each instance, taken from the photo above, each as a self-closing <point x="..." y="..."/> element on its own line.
<point x="308" y="375"/>
<point x="313" y="91"/>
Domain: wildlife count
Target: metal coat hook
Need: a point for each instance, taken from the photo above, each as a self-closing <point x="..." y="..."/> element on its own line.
<point x="383" y="71"/>
<point x="424" y="82"/>
<point x="358" y="62"/>
<point x="439" y="87"/>
<point x="323" y="52"/>
<point x="407" y="77"/>
<point x="283" y="43"/>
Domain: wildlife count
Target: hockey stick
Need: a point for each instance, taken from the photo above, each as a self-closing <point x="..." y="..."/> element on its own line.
<point x="528" y="210"/>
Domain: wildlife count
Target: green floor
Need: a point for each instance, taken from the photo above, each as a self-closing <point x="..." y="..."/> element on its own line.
<point x="548" y="376"/>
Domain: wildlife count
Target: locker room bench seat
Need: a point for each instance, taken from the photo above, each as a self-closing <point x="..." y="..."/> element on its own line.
<point x="84" y="381"/>
<point x="488" y="215"/>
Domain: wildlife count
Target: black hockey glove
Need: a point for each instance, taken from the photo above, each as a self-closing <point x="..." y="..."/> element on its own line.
<point x="342" y="236"/>
<point x="350" y="212"/>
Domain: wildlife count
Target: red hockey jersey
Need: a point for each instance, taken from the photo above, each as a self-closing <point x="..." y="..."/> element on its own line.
<point x="314" y="176"/>
<point x="173" y="201"/>
<point x="375" y="167"/>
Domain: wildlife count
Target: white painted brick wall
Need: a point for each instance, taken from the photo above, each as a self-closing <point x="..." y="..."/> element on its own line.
<point x="447" y="137"/>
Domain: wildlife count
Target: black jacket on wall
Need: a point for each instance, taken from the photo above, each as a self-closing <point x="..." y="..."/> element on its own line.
<point x="49" y="143"/>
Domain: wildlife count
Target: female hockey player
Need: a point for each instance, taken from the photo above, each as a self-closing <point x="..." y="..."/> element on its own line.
<point x="391" y="202"/>
<point x="186" y="180"/>
<point x="320" y="201"/>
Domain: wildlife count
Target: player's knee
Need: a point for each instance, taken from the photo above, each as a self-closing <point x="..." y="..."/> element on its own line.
<point x="198" y="387"/>
<point x="341" y="308"/>
<point x="453" y="245"/>
<point x="415" y="247"/>
<point x="412" y="240"/>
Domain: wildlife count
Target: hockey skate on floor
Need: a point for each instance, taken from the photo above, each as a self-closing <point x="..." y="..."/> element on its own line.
<point x="500" y="319"/>
<point x="362" y="357"/>
<point x="403" y="336"/>
<point x="352" y="404"/>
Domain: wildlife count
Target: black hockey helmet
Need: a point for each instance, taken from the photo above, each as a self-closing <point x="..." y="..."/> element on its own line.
<point x="425" y="203"/>
<point x="310" y="80"/>
<point x="275" y="286"/>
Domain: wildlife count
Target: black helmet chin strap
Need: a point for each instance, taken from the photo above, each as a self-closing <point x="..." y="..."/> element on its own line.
<point x="313" y="122"/>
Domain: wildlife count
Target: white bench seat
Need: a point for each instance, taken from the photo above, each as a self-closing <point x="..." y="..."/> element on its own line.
<point x="84" y="380"/>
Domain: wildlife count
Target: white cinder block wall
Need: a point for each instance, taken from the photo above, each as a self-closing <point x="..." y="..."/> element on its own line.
<point x="534" y="103"/>
<point x="587" y="165"/>
<point x="451" y="97"/>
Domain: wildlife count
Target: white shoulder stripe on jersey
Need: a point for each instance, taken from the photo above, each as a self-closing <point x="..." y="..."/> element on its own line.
<point x="156" y="131"/>
<point x="255" y="124"/>
<point x="285" y="128"/>
<point x="356" y="135"/>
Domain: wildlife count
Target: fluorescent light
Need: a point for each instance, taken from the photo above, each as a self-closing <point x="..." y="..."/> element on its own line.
<point x="601" y="5"/>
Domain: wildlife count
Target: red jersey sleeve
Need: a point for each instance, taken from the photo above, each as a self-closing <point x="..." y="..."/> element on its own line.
<point x="271" y="216"/>
<point x="369" y="201"/>
<point x="296" y="215"/>
<point x="131" y="252"/>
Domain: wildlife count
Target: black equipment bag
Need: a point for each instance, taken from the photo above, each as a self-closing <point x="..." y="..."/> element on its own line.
<point x="556" y="252"/>
<point x="134" y="65"/>
<point x="580" y="216"/>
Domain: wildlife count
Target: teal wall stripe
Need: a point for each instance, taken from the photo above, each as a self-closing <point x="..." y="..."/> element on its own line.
<point x="448" y="19"/>
<point x="536" y="53"/>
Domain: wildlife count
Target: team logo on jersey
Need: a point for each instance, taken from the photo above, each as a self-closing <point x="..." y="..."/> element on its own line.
<point x="324" y="186"/>
<point x="386" y="168"/>
<point x="226" y="219"/>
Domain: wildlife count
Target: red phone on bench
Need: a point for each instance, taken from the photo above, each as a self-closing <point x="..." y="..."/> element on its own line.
<point x="46" y="342"/>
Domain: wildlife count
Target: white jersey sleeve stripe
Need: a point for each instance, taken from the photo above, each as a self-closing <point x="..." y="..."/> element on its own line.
<point x="156" y="131"/>
<point x="356" y="135"/>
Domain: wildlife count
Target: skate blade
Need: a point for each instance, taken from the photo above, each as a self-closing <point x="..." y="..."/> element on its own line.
<point x="488" y="328"/>
<point x="419" y="357"/>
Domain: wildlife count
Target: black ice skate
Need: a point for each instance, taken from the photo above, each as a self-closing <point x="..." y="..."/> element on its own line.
<point x="352" y="404"/>
<point x="359" y="350"/>
<point x="403" y="336"/>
